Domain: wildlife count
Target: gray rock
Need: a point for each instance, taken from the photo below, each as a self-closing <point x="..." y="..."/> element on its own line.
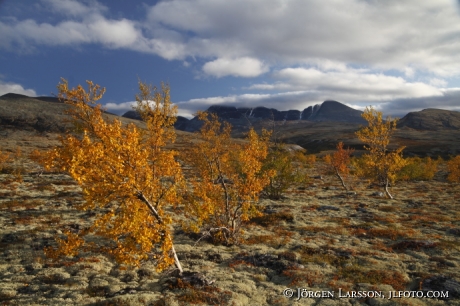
<point x="453" y="231"/>
<point x="442" y="283"/>
<point x="327" y="207"/>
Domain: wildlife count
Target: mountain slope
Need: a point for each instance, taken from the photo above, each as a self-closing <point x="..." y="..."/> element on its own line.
<point x="431" y="119"/>
<point x="44" y="114"/>
<point x="429" y="132"/>
<point x="336" y="111"/>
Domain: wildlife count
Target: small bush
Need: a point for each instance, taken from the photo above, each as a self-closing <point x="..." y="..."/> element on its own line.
<point x="273" y="219"/>
<point x="338" y="163"/>
<point x="4" y="158"/>
<point x="419" y="169"/>
<point x="453" y="167"/>
<point x="287" y="168"/>
<point x="414" y="245"/>
<point x="278" y="238"/>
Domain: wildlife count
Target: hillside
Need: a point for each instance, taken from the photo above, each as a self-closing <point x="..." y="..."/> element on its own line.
<point x="429" y="132"/>
<point x="32" y="122"/>
<point x="431" y="119"/>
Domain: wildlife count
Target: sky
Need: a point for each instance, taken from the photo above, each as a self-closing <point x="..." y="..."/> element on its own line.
<point x="398" y="56"/>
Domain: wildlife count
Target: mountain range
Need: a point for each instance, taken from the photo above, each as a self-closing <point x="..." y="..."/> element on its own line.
<point x="327" y="111"/>
<point x="317" y="128"/>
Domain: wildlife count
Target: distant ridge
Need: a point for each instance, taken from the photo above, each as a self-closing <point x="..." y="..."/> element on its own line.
<point x="43" y="114"/>
<point x="180" y="123"/>
<point x="431" y="119"/>
<point x="333" y="111"/>
<point x="328" y="111"/>
<point x="15" y="96"/>
<point x="431" y="132"/>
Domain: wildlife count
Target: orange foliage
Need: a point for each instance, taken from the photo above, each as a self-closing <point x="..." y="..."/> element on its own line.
<point x="380" y="163"/>
<point x="227" y="180"/>
<point x="339" y="162"/>
<point x="4" y="157"/>
<point x="127" y="175"/>
<point x="453" y="166"/>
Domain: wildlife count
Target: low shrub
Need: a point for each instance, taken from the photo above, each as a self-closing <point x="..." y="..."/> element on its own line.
<point x="419" y="169"/>
<point x="453" y="167"/>
<point x="287" y="167"/>
<point x="273" y="219"/>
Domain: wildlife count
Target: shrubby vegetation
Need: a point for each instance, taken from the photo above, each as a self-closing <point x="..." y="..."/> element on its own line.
<point x="453" y="167"/>
<point x="287" y="167"/>
<point x="417" y="168"/>
<point x="379" y="163"/>
<point x="127" y="176"/>
<point x="339" y="163"/>
<point x="226" y="181"/>
<point x="13" y="164"/>
<point x="4" y="158"/>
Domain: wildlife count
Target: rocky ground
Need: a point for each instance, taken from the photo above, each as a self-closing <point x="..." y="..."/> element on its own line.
<point x="318" y="240"/>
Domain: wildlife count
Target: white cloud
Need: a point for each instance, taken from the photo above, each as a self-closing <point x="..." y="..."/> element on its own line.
<point x="88" y="26"/>
<point x="120" y="108"/>
<point x="400" y="107"/>
<point x="383" y="34"/>
<point x="372" y="34"/>
<point x="438" y="82"/>
<point x="115" y="33"/>
<point x="348" y="85"/>
<point x="240" y="67"/>
<point x="281" y="101"/>
<point x="8" y="87"/>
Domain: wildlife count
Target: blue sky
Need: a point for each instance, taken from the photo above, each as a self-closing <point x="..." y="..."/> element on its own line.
<point x="398" y="56"/>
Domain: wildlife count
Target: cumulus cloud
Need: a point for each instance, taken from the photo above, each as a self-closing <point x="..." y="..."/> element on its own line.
<point x="280" y="101"/>
<point x="8" y="87"/>
<point x="120" y="108"/>
<point x="384" y="34"/>
<point x="88" y="26"/>
<point x="240" y="67"/>
<point x="376" y="34"/>
<point x="116" y="33"/>
<point x="400" y="107"/>
<point x="349" y="84"/>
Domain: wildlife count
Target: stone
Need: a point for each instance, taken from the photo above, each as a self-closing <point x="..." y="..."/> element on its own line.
<point x="327" y="207"/>
<point x="442" y="283"/>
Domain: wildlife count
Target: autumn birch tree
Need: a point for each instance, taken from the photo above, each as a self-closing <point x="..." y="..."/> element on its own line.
<point x="127" y="176"/>
<point x="226" y="182"/>
<point x="339" y="162"/>
<point x="380" y="163"/>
